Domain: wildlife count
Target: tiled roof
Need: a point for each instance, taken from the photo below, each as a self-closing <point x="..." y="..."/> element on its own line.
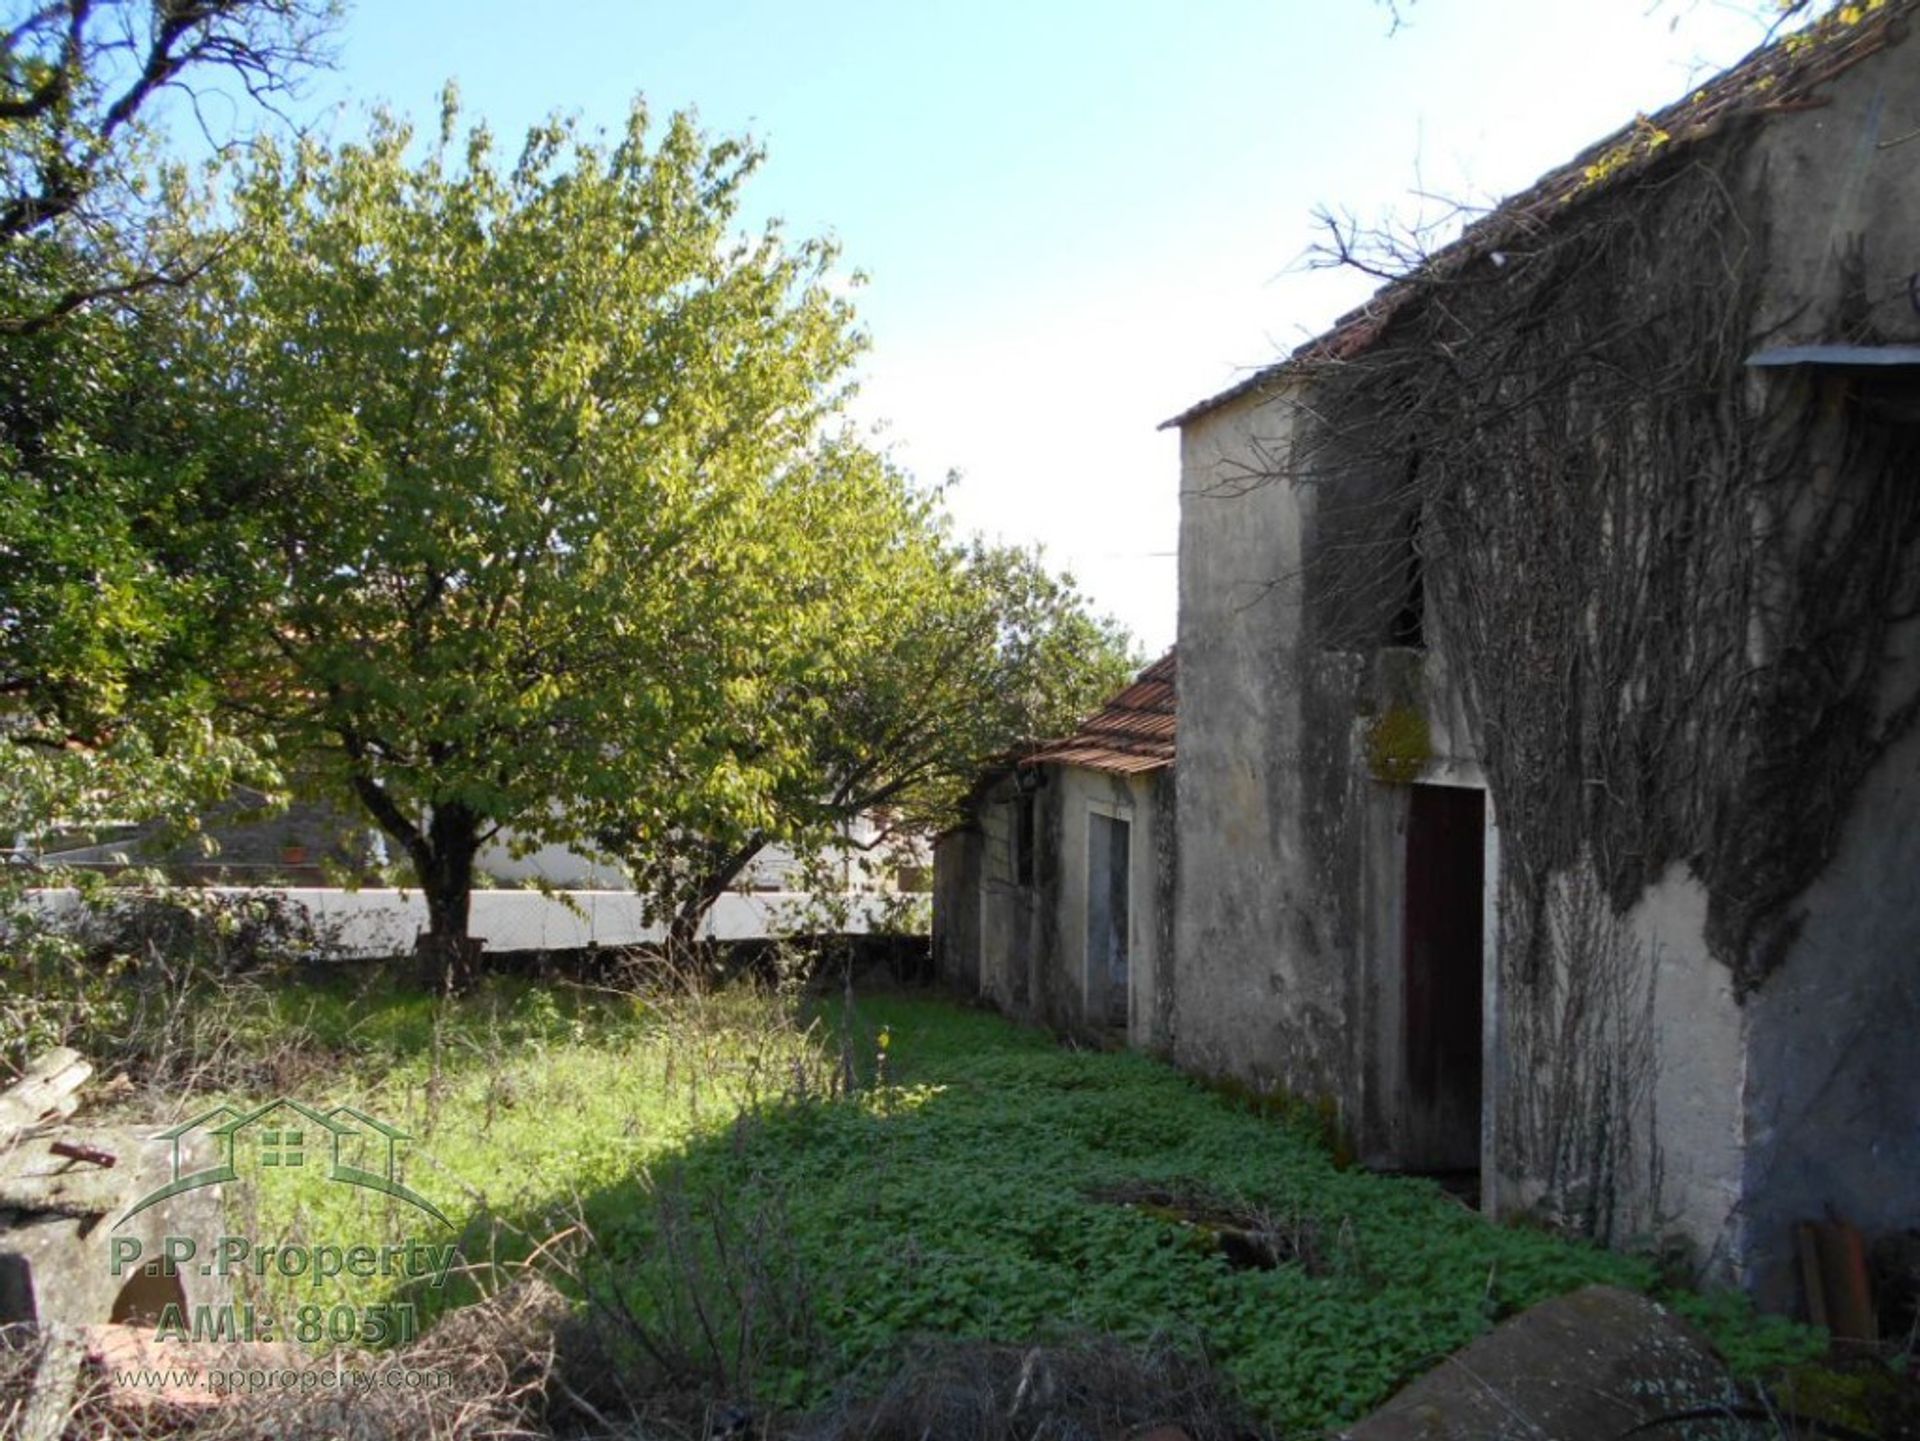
<point x="1130" y="735"/>
<point x="1774" y="80"/>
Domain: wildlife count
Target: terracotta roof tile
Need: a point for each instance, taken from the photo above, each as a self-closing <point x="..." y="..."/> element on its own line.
<point x="1131" y="734"/>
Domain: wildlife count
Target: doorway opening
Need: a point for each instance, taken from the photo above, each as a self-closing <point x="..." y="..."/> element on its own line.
<point x="1442" y="981"/>
<point x="1109" y="858"/>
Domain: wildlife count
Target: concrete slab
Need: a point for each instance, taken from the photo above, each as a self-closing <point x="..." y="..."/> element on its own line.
<point x="1589" y="1366"/>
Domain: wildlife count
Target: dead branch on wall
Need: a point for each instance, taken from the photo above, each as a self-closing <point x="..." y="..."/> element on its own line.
<point x="1668" y="591"/>
<point x="1671" y="593"/>
<point x="1583" y="1065"/>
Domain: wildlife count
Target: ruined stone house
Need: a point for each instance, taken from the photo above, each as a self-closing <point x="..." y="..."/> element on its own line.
<point x="1549" y="655"/>
<point x="1054" y="899"/>
<point x="1549" y="791"/>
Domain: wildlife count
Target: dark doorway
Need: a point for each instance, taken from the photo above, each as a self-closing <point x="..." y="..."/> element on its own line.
<point x="1108" y="858"/>
<point x="1445" y="893"/>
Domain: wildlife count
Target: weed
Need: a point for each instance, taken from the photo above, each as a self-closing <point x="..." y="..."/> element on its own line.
<point x="781" y="1196"/>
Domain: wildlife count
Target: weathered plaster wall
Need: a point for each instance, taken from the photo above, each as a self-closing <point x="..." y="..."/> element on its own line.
<point x="1292" y="849"/>
<point x="1832" y="1071"/>
<point x="1024" y="946"/>
<point x="1163" y="791"/>
<point x="1837" y="182"/>
<point x="1004" y="927"/>
<point x="1075" y="790"/>
<point x="1378" y="1019"/>
<point x="1832" y="1098"/>
<point x="1081" y="793"/>
<point x="1643" y="1098"/>
<point x="1258" y="995"/>
<point x="1017" y="934"/>
<point x="1690" y="1152"/>
<point x="1616" y="1069"/>
<point x="1288" y="928"/>
<point x="1053" y="989"/>
<point x="956" y="909"/>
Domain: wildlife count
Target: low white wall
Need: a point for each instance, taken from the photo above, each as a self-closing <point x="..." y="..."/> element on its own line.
<point x="385" y="922"/>
<point x="776" y="868"/>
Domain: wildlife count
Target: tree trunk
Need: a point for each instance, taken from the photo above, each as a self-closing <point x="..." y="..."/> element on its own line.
<point x="448" y="958"/>
<point x="442" y="855"/>
<point x="683" y="934"/>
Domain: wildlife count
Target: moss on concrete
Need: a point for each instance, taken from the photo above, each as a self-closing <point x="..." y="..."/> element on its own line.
<point x="1399" y="745"/>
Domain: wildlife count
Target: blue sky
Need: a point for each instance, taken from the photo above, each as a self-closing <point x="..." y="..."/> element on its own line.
<point x="1076" y="218"/>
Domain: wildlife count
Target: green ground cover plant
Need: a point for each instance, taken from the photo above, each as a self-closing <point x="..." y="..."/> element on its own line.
<point x="781" y="1196"/>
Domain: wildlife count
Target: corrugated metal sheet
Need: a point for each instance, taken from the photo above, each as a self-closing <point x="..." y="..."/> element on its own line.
<point x="1774" y="80"/>
<point x="1839" y="357"/>
<point x="1131" y="734"/>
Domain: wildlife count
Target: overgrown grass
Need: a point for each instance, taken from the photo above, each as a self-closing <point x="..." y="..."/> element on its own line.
<point x="763" y="1232"/>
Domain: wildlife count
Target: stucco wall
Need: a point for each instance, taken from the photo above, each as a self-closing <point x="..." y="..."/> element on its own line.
<point x="1691" y="1151"/>
<point x="994" y="902"/>
<point x="1024" y="946"/>
<point x="956" y="909"/>
<point x="1259" y="994"/>
<point x="1832" y="1099"/>
<point x="1722" y="1121"/>
<point x="1801" y="1100"/>
<point x="1009" y="926"/>
<point x="1288" y="931"/>
<point x="1838" y="193"/>
<point x="1163" y="794"/>
<point x="1832" y="1071"/>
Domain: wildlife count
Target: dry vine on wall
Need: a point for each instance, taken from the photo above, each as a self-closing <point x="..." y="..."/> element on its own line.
<point x="1581" y="1073"/>
<point x="1663" y="588"/>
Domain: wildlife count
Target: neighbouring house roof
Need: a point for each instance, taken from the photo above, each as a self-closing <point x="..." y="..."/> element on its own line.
<point x="1129" y="735"/>
<point x="1776" y="79"/>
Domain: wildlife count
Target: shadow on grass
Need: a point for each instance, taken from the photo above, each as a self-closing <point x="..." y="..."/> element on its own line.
<point x="757" y="1216"/>
<point x="983" y="1185"/>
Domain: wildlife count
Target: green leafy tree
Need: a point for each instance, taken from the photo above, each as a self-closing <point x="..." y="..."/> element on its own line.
<point x="991" y="650"/>
<point x="945" y="656"/>
<point x="101" y="713"/>
<point x="91" y="229"/>
<point x="549" y="515"/>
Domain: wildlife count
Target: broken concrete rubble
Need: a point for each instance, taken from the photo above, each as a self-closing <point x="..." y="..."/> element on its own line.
<point x="64" y="1188"/>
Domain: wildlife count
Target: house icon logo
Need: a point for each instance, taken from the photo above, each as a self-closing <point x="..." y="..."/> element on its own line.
<point x="285" y="1134"/>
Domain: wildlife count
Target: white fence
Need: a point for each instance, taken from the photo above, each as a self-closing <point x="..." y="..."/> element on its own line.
<point x="385" y="922"/>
